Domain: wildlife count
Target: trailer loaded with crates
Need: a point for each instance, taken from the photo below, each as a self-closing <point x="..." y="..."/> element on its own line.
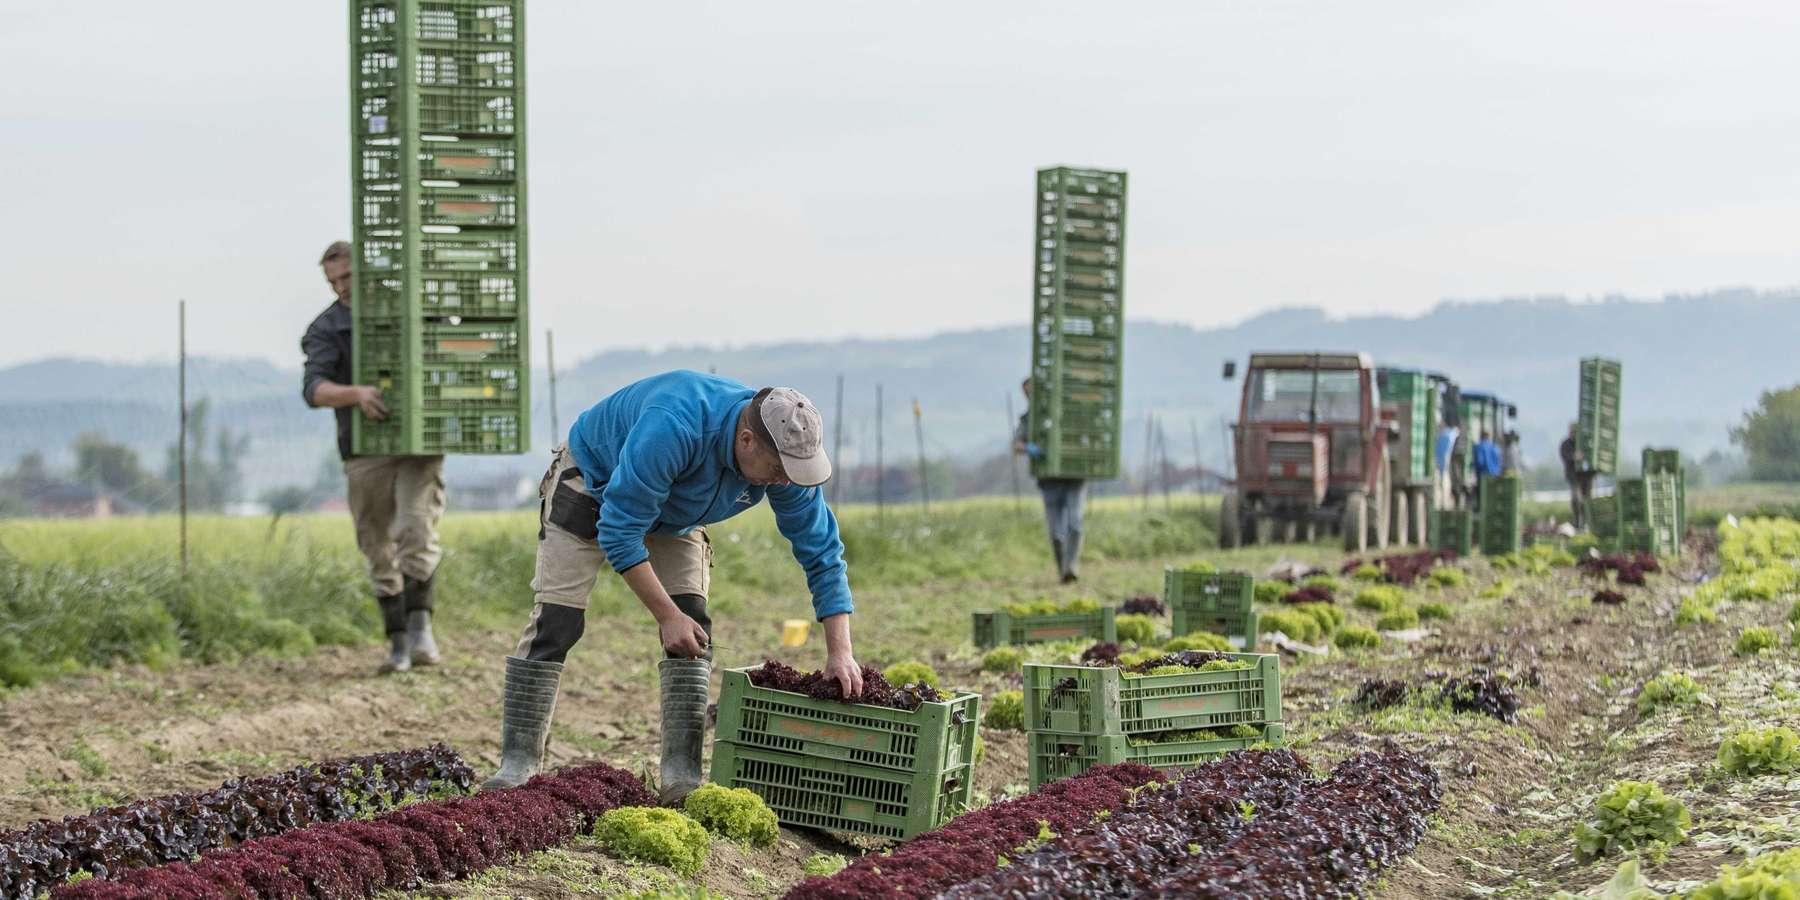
<point x="438" y="207"/>
<point x="1078" y="322"/>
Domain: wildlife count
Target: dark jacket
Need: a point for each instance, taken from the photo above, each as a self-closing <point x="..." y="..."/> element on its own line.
<point x="327" y="349"/>
<point x="1567" y="452"/>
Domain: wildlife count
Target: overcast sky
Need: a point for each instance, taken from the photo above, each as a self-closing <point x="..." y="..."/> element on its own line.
<point x="751" y="172"/>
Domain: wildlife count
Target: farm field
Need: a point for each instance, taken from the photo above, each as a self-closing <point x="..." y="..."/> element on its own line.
<point x="200" y="709"/>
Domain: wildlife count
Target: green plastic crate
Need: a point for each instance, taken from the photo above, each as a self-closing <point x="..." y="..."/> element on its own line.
<point x="1453" y="530"/>
<point x="1410" y="392"/>
<point x="935" y="737"/>
<point x="999" y="627"/>
<point x="1103" y="700"/>
<point x="1058" y="756"/>
<point x="1604" y="519"/>
<point x="457" y="385"/>
<point x="1208" y="592"/>
<point x="1597" y="414"/>
<point x="1078" y="265"/>
<point x="1240" y="628"/>
<point x="1502" y="524"/>
<point x="834" y="795"/>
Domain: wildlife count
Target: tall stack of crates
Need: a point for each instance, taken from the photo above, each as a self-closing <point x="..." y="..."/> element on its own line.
<point x="1668" y="461"/>
<point x="1502" y="521"/>
<point x="1078" y="717"/>
<point x="1219" y="602"/>
<point x="1597" y="421"/>
<point x="1412" y="395"/>
<point x="438" y="207"/>
<point x="846" y="766"/>
<point x="1648" y="516"/>
<point x="1078" y="322"/>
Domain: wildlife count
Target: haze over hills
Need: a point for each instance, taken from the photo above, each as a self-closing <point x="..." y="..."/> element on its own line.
<point x="1692" y="365"/>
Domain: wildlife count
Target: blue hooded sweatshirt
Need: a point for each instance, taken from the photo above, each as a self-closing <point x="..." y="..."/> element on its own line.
<point x="658" y="454"/>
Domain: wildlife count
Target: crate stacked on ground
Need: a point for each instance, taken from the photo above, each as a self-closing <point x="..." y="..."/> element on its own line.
<point x="1668" y="461"/>
<point x="1078" y="717"/>
<point x="1078" y="319"/>
<point x="1597" y="420"/>
<point x="1603" y="520"/>
<point x="846" y="767"/>
<point x="1219" y="602"/>
<point x="1453" y="530"/>
<point x="438" y="207"/>
<point x="1502" y="521"/>
<point x="1414" y="397"/>
<point x="1648" y="518"/>
<point x="996" y="628"/>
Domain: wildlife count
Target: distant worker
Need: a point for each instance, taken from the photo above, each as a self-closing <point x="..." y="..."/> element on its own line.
<point x="1579" y="477"/>
<point x="1063" y="500"/>
<point x="1446" y="482"/>
<point x="1512" y="462"/>
<point x="1488" y="462"/>
<point x="643" y="473"/>
<point x="395" y="501"/>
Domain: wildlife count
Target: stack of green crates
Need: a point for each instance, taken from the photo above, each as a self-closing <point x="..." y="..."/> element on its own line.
<point x="1603" y="520"/>
<point x="1411" y="393"/>
<point x="1453" y="530"/>
<point x="1219" y="602"/>
<point x="846" y="767"/>
<point x="438" y="207"/>
<point x="1597" y="422"/>
<point x="1649" y="521"/>
<point x="997" y="628"/>
<point x="1502" y="521"/>
<point x="1668" y="462"/>
<point x="1078" y="322"/>
<point x="1078" y="717"/>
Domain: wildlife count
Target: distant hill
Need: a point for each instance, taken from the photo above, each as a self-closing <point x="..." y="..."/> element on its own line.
<point x="1693" y="364"/>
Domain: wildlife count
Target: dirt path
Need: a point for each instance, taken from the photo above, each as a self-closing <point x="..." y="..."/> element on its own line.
<point x="1511" y="788"/>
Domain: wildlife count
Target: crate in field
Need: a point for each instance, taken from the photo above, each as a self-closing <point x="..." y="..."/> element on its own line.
<point x="1604" y="519"/>
<point x="1240" y="628"/>
<point x="834" y="795"/>
<point x="1058" y="756"/>
<point x="935" y="736"/>
<point x="1502" y="524"/>
<point x="998" y="627"/>
<point x="1453" y="530"/>
<point x="1223" y="592"/>
<point x="1410" y="391"/>
<point x="1105" y="700"/>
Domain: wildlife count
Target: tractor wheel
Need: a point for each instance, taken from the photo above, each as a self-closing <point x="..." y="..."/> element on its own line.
<point x="1231" y="524"/>
<point x="1356" y="522"/>
<point x="1400" y="517"/>
<point x="1421" y="515"/>
<point x="1378" y="511"/>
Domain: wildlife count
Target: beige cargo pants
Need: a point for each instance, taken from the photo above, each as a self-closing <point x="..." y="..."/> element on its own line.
<point x="569" y="558"/>
<point x="396" y="503"/>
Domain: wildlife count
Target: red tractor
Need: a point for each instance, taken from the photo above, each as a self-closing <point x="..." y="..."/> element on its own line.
<point x="1311" y="450"/>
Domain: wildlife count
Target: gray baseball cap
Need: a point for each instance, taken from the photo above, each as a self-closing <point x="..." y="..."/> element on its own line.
<point x="792" y="423"/>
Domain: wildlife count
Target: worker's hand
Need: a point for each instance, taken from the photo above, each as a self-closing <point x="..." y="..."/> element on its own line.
<point x="683" y="636"/>
<point x="368" y="399"/>
<point x="844" y="668"/>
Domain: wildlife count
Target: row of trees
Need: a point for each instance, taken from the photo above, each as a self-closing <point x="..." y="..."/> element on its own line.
<point x="215" y="471"/>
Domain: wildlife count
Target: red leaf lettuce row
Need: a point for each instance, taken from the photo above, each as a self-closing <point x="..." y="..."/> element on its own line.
<point x="181" y="826"/>
<point x="971" y="845"/>
<point x="396" y="851"/>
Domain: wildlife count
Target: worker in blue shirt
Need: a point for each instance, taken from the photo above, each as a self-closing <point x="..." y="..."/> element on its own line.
<point x="1446" y="486"/>
<point x="1488" y="463"/>
<point x="643" y="473"/>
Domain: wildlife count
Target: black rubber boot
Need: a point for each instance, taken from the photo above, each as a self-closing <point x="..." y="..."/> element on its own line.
<point x="684" y="684"/>
<point x="530" y="701"/>
<point x="424" y="650"/>
<point x="393" y="621"/>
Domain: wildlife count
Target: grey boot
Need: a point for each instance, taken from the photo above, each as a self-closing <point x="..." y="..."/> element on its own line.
<point x="684" y="684"/>
<point x="418" y="622"/>
<point x="393" y="620"/>
<point x="525" y="720"/>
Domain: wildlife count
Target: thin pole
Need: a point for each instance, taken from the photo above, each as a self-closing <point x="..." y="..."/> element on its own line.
<point x="1162" y="453"/>
<point x="837" y="438"/>
<point x="880" y="467"/>
<point x="1149" y="443"/>
<point x="1012" y="459"/>
<point x="924" y="480"/>
<point x="1199" y="467"/>
<point x="1230" y="454"/>
<point x="181" y="382"/>
<point x="550" y="352"/>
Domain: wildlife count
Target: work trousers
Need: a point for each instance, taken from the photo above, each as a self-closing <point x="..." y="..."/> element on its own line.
<point x="1581" y="494"/>
<point x="1063" y="502"/>
<point x="569" y="562"/>
<point x="396" y="503"/>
